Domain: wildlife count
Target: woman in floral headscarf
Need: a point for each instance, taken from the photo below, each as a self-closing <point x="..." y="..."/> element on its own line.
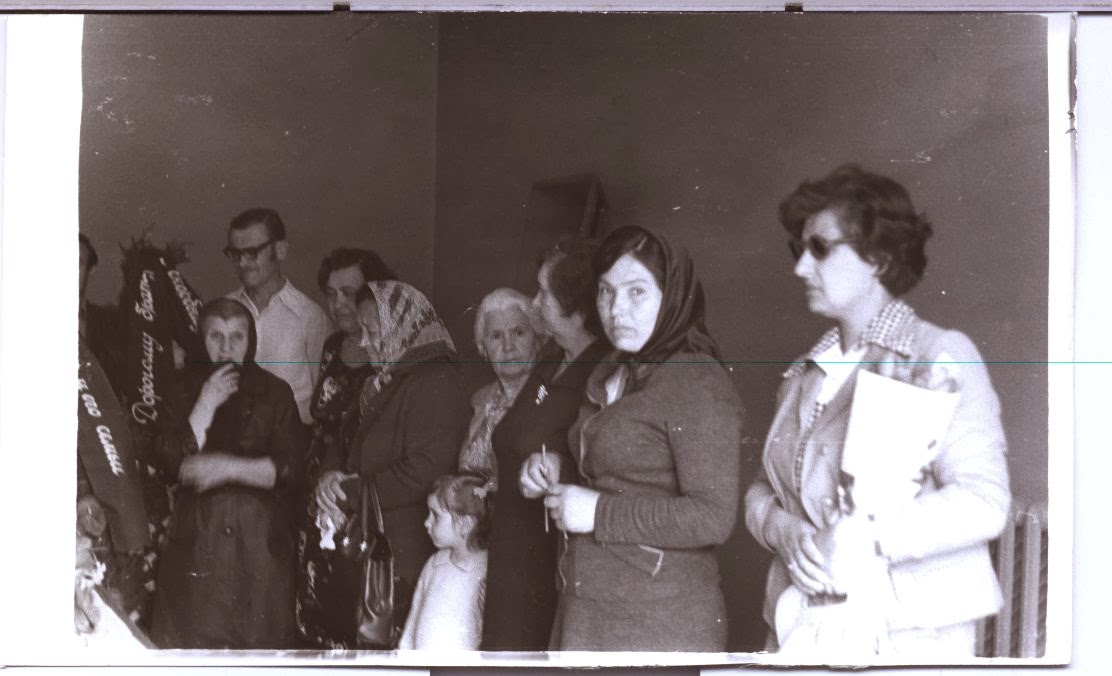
<point x="343" y="369"/>
<point x="409" y="421"/>
<point x="658" y="444"/>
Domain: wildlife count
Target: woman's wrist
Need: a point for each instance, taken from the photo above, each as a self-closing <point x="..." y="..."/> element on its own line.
<point x="199" y="421"/>
<point x="773" y="526"/>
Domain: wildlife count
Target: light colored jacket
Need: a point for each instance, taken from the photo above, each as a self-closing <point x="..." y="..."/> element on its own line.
<point x="937" y="547"/>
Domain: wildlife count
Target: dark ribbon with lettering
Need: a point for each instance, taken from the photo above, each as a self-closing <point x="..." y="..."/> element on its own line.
<point x="161" y="308"/>
<point x="185" y="307"/>
<point x="106" y="454"/>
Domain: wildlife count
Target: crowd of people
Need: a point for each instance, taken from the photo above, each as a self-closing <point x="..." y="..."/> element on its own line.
<point x="575" y="502"/>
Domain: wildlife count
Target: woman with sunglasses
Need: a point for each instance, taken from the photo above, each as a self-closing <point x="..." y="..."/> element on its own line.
<point x="859" y="245"/>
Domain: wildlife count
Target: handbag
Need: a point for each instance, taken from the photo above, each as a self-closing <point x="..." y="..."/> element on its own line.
<point x="356" y="589"/>
<point x="374" y="618"/>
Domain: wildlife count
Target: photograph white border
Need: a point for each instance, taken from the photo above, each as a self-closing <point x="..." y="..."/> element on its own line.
<point x="41" y="140"/>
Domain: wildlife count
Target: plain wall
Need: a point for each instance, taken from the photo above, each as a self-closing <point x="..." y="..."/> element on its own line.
<point x="190" y="119"/>
<point x="699" y="124"/>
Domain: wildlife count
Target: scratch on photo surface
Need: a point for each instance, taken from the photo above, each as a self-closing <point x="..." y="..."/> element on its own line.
<point x="101" y="108"/>
<point x="206" y="99"/>
<point x="367" y="24"/>
<point x="921" y="157"/>
<point x="138" y="55"/>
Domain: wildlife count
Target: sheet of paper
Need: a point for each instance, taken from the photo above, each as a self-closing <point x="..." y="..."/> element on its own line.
<point x="895" y="429"/>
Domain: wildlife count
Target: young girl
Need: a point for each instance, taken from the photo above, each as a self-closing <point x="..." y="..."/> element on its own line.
<point x="447" y="612"/>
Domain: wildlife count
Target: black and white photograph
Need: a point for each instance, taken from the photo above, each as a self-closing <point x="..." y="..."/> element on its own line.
<point x="567" y="338"/>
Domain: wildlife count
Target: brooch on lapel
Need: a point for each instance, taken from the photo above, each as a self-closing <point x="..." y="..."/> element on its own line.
<point x="542" y="394"/>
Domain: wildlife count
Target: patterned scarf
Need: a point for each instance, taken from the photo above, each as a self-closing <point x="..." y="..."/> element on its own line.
<point x="477" y="454"/>
<point x="409" y="331"/>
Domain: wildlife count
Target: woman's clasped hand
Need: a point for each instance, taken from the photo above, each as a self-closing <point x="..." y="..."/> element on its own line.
<point x="572" y="507"/>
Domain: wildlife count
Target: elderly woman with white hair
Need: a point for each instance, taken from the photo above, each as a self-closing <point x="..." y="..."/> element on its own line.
<point x="507" y="336"/>
<point x="532" y="441"/>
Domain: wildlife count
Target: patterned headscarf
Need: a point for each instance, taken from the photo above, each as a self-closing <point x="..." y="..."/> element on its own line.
<point x="409" y="331"/>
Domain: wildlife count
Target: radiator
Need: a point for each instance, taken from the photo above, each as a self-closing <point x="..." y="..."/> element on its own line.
<point x="1020" y="557"/>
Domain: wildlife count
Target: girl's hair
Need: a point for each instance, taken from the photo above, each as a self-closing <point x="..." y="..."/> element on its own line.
<point x="467" y="495"/>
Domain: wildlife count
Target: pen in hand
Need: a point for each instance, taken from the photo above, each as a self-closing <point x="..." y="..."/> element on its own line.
<point x="544" y="471"/>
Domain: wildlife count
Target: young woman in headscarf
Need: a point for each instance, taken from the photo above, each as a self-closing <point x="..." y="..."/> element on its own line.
<point x="411" y="416"/>
<point x="226" y="578"/>
<point x="657" y="444"/>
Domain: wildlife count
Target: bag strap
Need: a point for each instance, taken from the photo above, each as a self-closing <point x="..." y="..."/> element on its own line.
<point x="363" y="518"/>
<point x="375" y="505"/>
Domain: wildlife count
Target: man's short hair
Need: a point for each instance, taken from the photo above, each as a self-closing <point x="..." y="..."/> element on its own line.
<point x="275" y="228"/>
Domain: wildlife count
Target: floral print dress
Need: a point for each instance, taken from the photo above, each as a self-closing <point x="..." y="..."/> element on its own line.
<point x="335" y="393"/>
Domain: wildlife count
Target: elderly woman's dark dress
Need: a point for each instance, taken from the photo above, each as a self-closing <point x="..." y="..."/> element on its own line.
<point x="227" y="572"/>
<point x="521" y="601"/>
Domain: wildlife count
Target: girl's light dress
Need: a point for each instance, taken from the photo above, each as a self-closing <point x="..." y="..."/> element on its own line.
<point x="447" y="612"/>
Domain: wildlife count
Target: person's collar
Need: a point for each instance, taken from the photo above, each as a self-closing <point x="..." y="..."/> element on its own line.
<point x="468" y="564"/>
<point x="596" y="382"/>
<point x="551" y="373"/>
<point x="832" y="358"/>
<point x="889" y="330"/>
<point x="286" y="295"/>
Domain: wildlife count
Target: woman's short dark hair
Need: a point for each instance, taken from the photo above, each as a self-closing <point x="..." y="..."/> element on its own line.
<point x="275" y="228"/>
<point x="572" y="280"/>
<point x="637" y="242"/>
<point x="874" y="211"/>
<point x="372" y="266"/>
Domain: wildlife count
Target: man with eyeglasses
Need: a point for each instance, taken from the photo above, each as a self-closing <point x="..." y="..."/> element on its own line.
<point x="291" y="327"/>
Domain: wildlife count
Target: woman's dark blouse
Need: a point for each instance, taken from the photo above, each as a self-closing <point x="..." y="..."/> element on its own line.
<point x="226" y="578"/>
<point x="521" y="590"/>
<point x="337" y="388"/>
<point x="338" y="385"/>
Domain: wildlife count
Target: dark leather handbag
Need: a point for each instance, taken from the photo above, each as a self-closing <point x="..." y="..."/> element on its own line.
<point x="356" y="590"/>
<point x="374" y="618"/>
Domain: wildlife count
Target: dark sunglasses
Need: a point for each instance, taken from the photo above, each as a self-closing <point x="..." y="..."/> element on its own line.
<point x="248" y="252"/>
<point x="820" y="248"/>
